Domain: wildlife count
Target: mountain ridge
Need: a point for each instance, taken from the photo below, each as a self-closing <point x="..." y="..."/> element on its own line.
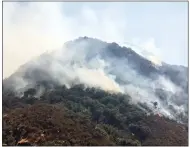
<point x="113" y="67"/>
<point x="95" y="93"/>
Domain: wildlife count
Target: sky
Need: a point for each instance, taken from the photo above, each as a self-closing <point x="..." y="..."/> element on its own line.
<point x="32" y="28"/>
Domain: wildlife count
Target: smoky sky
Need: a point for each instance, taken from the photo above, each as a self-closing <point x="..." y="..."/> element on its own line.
<point x="30" y="29"/>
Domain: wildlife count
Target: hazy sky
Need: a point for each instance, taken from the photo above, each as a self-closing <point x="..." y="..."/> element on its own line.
<point x="30" y="29"/>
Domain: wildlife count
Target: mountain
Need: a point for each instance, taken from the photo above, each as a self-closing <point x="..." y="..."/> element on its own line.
<point x="94" y="76"/>
<point x="108" y="66"/>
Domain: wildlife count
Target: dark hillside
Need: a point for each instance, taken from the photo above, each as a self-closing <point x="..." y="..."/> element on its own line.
<point x="79" y="116"/>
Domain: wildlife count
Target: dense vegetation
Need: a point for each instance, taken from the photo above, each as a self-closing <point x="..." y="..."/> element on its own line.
<point x="84" y="116"/>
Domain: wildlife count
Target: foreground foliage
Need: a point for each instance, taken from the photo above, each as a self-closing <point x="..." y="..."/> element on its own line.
<point x="84" y="116"/>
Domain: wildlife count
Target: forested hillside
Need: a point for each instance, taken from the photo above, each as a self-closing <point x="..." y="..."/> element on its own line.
<point x="84" y="116"/>
<point x="92" y="92"/>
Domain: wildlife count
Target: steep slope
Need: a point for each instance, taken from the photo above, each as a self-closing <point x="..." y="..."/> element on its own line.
<point x="124" y="98"/>
<point x="112" y="68"/>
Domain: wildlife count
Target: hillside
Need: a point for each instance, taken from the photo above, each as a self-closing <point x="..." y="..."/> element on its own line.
<point x="92" y="92"/>
<point x="85" y="117"/>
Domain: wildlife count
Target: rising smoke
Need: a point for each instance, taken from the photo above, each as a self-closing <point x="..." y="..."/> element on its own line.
<point x="34" y="29"/>
<point x="85" y="61"/>
<point x="30" y="29"/>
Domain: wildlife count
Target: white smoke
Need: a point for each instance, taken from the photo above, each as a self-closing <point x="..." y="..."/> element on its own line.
<point x="30" y="29"/>
<point x="39" y="27"/>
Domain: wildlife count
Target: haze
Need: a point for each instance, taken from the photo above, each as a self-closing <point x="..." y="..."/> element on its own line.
<point x="30" y="29"/>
